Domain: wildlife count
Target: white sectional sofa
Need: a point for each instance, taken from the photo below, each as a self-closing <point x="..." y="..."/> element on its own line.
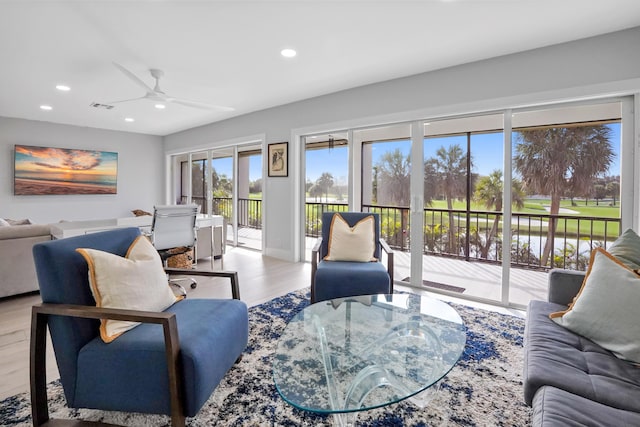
<point x="17" y="270"/>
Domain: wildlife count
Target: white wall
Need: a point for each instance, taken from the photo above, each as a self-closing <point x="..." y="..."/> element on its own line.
<point x="140" y="172"/>
<point x="600" y="66"/>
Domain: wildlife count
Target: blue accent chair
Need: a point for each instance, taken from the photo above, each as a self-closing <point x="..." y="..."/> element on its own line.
<point x="340" y="279"/>
<point x="169" y="364"/>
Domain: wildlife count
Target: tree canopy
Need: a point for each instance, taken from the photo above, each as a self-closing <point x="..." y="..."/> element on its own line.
<point x="392" y="177"/>
<point x="447" y="174"/>
<point x="561" y="161"/>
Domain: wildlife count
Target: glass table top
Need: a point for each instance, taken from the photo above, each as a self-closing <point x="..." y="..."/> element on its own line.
<point x="359" y="353"/>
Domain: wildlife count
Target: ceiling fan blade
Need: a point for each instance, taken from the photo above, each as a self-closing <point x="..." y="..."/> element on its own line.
<point x="134" y="78"/>
<point x="197" y="104"/>
<point x="126" y="100"/>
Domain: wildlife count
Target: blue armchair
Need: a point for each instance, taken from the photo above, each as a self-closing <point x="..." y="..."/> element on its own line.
<point x="338" y="279"/>
<point x="169" y="364"/>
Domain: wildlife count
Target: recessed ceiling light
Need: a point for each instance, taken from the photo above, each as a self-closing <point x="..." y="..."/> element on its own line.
<point x="63" y="88"/>
<point x="129" y="119"/>
<point x="288" y="53"/>
<point x="46" y="107"/>
<point x="160" y="106"/>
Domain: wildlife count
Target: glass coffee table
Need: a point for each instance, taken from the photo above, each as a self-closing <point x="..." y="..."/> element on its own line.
<point x="353" y="354"/>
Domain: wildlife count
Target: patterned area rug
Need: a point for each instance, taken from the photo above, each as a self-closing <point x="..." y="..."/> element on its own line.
<point x="483" y="389"/>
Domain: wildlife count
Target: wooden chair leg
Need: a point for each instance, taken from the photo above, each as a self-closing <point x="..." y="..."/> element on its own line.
<point x="38" y="368"/>
<point x="172" y="351"/>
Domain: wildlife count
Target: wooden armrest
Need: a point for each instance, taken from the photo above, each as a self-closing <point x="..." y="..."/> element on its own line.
<point x="385" y="246"/>
<point x="232" y="275"/>
<point x="38" y="347"/>
<point x="92" y="312"/>
<point x="316" y="246"/>
<point x="315" y="253"/>
<point x="389" y="251"/>
<point x="314" y="266"/>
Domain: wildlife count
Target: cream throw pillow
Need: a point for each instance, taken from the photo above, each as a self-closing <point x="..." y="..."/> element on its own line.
<point x="136" y="282"/>
<point x="606" y="308"/>
<point x="355" y="243"/>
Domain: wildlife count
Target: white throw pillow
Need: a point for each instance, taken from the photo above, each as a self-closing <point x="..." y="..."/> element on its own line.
<point x="25" y="221"/>
<point x="136" y="282"/>
<point x="355" y="243"/>
<point x="4" y="223"/>
<point x="606" y="308"/>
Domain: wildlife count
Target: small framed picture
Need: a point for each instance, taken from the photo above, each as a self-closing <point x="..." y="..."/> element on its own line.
<point x="278" y="159"/>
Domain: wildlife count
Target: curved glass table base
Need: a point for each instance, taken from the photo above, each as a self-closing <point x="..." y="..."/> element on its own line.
<point x="348" y="355"/>
<point x="421" y="400"/>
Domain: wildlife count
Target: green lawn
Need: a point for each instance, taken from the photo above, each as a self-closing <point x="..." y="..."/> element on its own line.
<point x="537" y="206"/>
<point x="568" y="226"/>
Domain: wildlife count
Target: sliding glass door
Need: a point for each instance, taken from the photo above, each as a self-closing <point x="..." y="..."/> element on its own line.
<point x="326" y="181"/>
<point x="464" y="206"/>
<point x="455" y="225"/>
<point x="228" y="182"/>
<point x="386" y="186"/>
<point x="567" y="163"/>
<point x="249" y="199"/>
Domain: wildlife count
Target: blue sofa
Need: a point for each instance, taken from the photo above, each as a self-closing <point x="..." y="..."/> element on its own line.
<point x="568" y="379"/>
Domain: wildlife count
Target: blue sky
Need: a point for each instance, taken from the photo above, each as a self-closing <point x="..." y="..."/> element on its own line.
<point x="486" y="150"/>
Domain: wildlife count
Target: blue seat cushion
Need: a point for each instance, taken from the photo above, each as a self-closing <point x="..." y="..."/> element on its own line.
<point x="338" y="279"/>
<point x="130" y="373"/>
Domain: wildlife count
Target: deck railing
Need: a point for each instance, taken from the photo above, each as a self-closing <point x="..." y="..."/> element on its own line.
<point x="477" y="235"/>
<point x="249" y="210"/>
<point x="314" y="212"/>
<point x="469" y="235"/>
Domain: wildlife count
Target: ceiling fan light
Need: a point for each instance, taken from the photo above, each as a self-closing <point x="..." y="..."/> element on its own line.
<point x="63" y="88"/>
<point x="129" y="119"/>
<point x="160" y="106"/>
<point x="46" y="107"/>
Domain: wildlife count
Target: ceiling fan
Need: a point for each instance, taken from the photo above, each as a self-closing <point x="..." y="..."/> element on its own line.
<point x="156" y="94"/>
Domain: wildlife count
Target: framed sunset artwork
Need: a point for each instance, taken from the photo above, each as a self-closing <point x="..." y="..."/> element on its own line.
<point x="59" y="171"/>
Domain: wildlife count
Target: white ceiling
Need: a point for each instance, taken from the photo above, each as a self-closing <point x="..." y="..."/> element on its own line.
<point x="227" y="52"/>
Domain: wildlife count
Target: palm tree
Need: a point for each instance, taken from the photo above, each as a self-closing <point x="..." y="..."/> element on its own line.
<point x="325" y="182"/>
<point x="613" y="188"/>
<point x="449" y="168"/>
<point x="599" y="192"/>
<point x="489" y="192"/>
<point x="393" y="172"/>
<point x="559" y="161"/>
<point x="392" y="187"/>
<point x="315" y="191"/>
